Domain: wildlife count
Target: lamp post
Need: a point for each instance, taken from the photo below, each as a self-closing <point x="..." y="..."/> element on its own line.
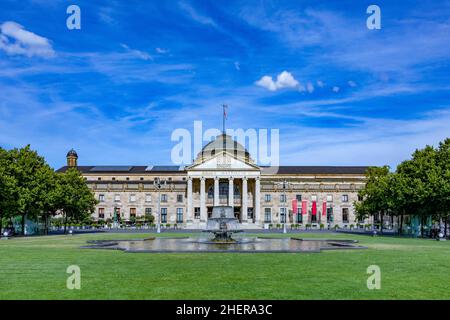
<point x="285" y="183"/>
<point x="158" y="184"/>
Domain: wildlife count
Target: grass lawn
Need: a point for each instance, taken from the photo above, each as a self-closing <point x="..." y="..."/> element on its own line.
<point x="35" y="268"/>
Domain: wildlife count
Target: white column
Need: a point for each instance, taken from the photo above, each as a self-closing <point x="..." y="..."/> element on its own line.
<point x="203" y="213"/>
<point x="230" y="192"/>
<point x="216" y="191"/>
<point x="257" y="200"/>
<point x="244" y="200"/>
<point x="189" y="213"/>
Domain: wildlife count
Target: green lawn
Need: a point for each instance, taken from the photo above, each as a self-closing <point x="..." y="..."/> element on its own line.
<point x="35" y="268"/>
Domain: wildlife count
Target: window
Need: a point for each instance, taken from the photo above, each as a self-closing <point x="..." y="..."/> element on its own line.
<point x="250" y="213"/>
<point x="268" y="198"/>
<point x="345" y="215"/>
<point x="128" y="178"/>
<point x="360" y="198"/>
<point x="163" y="215"/>
<point x="298" y="197"/>
<point x="101" y="213"/>
<point x="329" y="198"/>
<point x="141" y="178"/>
<point x="99" y="178"/>
<point x="148" y="198"/>
<point x="164" y="197"/>
<point x="313" y="218"/>
<point x="267" y="215"/>
<point x="299" y="215"/>
<point x="117" y="198"/>
<point x="283" y="215"/>
<point x="113" y="179"/>
<point x="196" y="213"/>
<point x="329" y="215"/>
<point x="313" y="198"/>
<point x="282" y="197"/>
<point x="179" y="198"/>
<point x="345" y="198"/>
<point x="179" y="215"/>
<point x="148" y="211"/>
<point x="101" y="197"/>
<point x="132" y="212"/>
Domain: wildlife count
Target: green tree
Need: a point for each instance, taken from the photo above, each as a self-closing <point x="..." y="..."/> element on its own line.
<point x="377" y="194"/>
<point x="77" y="202"/>
<point x="8" y="188"/>
<point x="27" y="168"/>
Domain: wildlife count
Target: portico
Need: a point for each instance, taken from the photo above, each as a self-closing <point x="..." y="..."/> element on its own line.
<point x="223" y="174"/>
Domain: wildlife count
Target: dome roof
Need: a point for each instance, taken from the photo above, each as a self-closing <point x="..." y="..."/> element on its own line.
<point x="72" y="153"/>
<point x="225" y="143"/>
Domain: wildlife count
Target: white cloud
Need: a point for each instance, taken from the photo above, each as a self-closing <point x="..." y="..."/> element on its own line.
<point x="195" y="15"/>
<point x="352" y="83"/>
<point x="284" y="80"/>
<point x="161" y="50"/>
<point x="237" y="65"/>
<point x="15" y="40"/>
<point x="336" y="89"/>
<point x="320" y="84"/>
<point x="310" y="87"/>
<point x="140" y="54"/>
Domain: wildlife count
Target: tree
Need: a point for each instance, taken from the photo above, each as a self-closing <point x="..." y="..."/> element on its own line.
<point x="49" y="195"/>
<point x="377" y="195"/>
<point x="76" y="200"/>
<point x="8" y="188"/>
<point x="27" y="167"/>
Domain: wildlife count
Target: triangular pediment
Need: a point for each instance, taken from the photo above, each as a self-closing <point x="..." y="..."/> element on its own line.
<point x="223" y="161"/>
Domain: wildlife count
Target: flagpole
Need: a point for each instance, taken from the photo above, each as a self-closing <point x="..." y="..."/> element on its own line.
<point x="224" y="106"/>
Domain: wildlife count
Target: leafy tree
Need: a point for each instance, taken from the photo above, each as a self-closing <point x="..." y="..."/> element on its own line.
<point x="77" y="202"/>
<point x="8" y="188"/>
<point x="27" y="168"/>
<point x="376" y="196"/>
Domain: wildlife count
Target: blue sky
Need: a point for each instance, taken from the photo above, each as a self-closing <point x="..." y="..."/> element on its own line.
<point x="116" y="89"/>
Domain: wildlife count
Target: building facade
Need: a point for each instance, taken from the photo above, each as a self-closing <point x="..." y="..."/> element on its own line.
<point x="224" y="174"/>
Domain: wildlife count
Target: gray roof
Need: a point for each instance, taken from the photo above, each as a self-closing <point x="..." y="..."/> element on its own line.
<point x="180" y="169"/>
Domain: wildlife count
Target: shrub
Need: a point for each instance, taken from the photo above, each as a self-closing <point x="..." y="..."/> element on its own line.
<point x="322" y="226"/>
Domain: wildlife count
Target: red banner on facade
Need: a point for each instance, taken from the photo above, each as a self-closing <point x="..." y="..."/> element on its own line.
<point x="324" y="209"/>
<point x="304" y="207"/>
<point x="294" y="206"/>
<point x="314" y="208"/>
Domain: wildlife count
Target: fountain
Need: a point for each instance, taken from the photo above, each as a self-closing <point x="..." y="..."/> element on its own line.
<point x="222" y="224"/>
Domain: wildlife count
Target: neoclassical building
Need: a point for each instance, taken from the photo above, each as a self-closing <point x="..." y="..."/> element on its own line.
<point x="225" y="174"/>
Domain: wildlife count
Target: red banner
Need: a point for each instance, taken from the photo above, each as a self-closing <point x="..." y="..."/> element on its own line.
<point x="294" y="206"/>
<point x="304" y="207"/>
<point x="314" y="208"/>
<point x="324" y="209"/>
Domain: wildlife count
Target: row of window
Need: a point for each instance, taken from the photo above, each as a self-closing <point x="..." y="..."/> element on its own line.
<point x="148" y="211"/>
<point x="141" y="179"/>
<point x="180" y="197"/>
<point x="283" y="198"/>
<point x="299" y="215"/>
<point x="148" y="198"/>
